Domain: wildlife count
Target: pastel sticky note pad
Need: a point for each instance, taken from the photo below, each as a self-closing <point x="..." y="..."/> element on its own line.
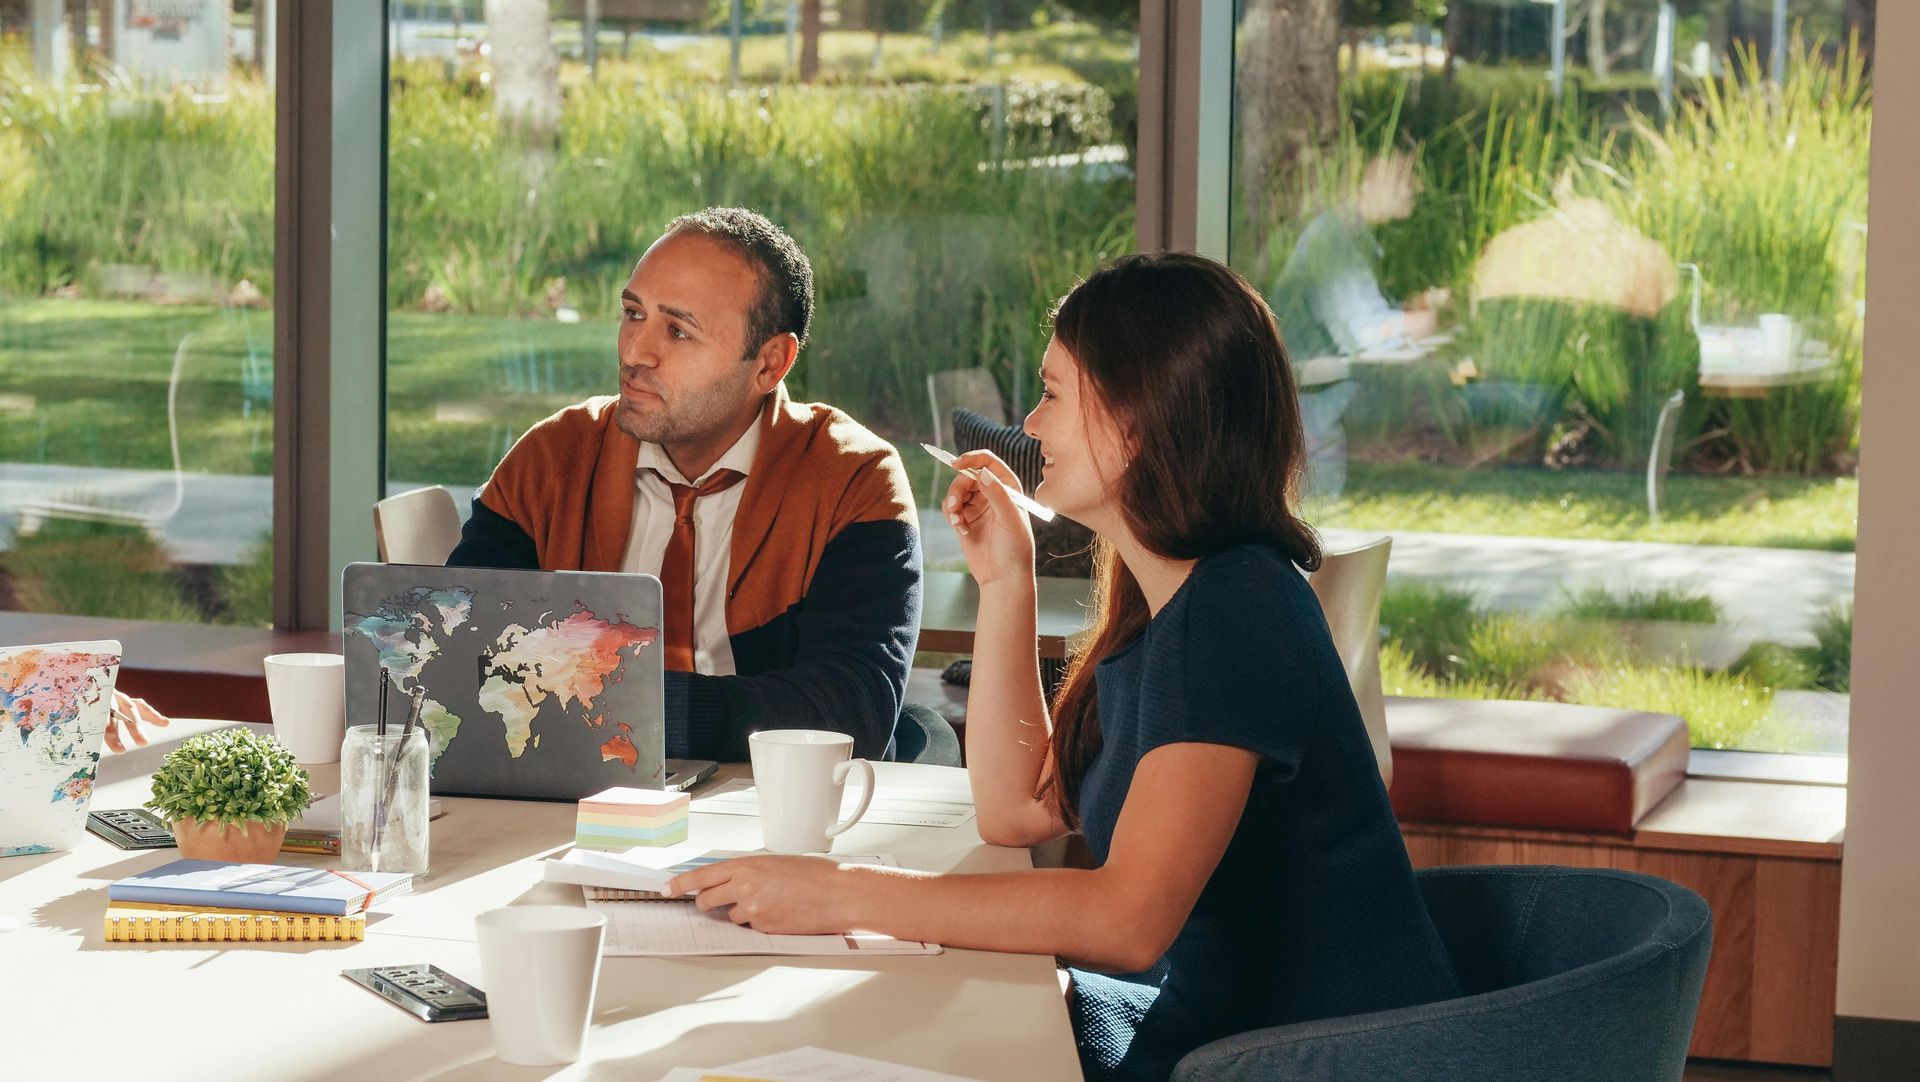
<point x="621" y="800"/>
<point x="621" y="818"/>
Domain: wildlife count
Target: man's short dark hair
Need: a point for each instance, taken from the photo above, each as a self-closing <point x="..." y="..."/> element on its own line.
<point x="785" y="304"/>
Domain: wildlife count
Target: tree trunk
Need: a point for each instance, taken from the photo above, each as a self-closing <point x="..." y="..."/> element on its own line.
<point x="1597" y="57"/>
<point x="1288" y="88"/>
<point x="1450" y="39"/>
<point x="809" y="41"/>
<point x="526" y="73"/>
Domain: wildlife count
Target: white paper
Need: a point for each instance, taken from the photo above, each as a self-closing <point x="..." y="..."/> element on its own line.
<point x="810" y="1065"/>
<point x="899" y="807"/>
<point x="642" y="868"/>
<point x="675" y="929"/>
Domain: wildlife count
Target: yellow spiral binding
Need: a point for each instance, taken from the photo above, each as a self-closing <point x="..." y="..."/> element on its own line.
<point x="143" y="927"/>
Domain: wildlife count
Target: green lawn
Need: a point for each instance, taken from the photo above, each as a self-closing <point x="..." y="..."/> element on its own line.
<point x="1768" y="512"/>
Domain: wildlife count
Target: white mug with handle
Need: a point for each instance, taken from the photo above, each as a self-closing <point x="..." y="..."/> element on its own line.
<point x="800" y="775"/>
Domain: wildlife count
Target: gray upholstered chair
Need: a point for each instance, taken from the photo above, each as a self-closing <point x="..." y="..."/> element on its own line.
<point x="1570" y="974"/>
<point x="923" y="736"/>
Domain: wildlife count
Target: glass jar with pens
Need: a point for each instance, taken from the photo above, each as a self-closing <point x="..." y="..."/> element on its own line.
<point x="384" y="803"/>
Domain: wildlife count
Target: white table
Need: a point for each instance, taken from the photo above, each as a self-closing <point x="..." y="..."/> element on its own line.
<point x="78" y="1007"/>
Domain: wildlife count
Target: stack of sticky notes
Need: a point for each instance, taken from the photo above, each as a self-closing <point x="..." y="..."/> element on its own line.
<point x="621" y="818"/>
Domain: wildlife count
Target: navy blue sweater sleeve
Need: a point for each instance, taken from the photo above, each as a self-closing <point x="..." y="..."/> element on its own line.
<point x="844" y="650"/>
<point x="491" y="539"/>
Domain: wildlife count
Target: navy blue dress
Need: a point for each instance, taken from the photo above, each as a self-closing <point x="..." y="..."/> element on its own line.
<point x="1313" y="911"/>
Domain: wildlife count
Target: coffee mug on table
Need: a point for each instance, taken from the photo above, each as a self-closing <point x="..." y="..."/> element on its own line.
<point x="308" y="696"/>
<point x="539" y="965"/>
<point x="800" y="775"/>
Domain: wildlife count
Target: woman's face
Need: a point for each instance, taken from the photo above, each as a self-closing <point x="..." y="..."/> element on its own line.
<point x="1084" y="451"/>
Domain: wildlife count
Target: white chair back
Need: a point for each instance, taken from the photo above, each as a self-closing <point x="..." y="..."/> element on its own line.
<point x="1349" y="585"/>
<point x="417" y="527"/>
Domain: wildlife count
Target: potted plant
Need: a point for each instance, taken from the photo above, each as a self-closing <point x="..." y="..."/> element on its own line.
<point x="230" y="795"/>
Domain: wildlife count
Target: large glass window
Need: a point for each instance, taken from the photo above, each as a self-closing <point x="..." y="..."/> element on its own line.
<point x="136" y="331"/>
<point x="1573" y="289"/>
<point x="950" y="168"/>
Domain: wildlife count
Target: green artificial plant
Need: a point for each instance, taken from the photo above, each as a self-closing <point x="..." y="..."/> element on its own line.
<point x="232" y="776"/>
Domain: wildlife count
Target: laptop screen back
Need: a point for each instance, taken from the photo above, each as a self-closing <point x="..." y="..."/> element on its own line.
<point x="540" y="684"/>
<point x="54" y="705"/>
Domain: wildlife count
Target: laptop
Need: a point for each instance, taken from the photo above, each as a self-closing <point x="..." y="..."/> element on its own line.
<point x="54" y="704"/>
<point x="540" y="685"/>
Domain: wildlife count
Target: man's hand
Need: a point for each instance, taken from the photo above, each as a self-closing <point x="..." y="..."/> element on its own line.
<point x="773" y="894"/>
<point x="132" y="713"/>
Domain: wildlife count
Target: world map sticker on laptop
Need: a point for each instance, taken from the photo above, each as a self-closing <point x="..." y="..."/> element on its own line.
<point x="54" y="705"/>
<point x="538" y="684"/>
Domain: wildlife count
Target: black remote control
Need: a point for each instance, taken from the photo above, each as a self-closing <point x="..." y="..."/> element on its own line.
<point x="131" y="828"/>
<point x="425" y="991"/>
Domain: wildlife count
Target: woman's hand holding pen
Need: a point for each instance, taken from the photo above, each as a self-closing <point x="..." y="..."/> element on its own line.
<point x="995" y="536"/>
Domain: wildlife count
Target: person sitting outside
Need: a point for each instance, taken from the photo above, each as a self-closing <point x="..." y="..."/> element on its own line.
<point x="1328" y="297"/>
<point x="783" y="533"/>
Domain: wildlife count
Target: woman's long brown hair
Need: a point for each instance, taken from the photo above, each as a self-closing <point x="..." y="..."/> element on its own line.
<point x="1186" y="359"/>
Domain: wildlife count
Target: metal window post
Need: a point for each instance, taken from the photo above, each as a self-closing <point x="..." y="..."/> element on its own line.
<point x="1184" y="160"/>
<point x="1557" y="45"/>
<point x="329" y="301"/>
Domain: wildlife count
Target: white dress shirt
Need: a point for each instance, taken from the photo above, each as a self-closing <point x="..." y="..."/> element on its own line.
<point x="712" y="541"/>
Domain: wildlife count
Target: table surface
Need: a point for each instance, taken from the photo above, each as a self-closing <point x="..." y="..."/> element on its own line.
<point x="950" y="610"/>
<point x="78" y="1005"/>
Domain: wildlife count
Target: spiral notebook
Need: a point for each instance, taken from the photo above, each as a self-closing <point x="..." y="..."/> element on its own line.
<point x="140" y="925"/>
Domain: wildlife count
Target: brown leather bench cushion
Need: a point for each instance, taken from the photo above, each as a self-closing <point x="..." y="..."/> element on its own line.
<point x="1548" y="765"/>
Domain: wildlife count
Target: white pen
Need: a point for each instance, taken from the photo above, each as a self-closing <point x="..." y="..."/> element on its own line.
<point x="1020" y="499"/>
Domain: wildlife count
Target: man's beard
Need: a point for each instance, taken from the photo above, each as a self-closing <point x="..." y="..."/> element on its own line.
<point x="694" y="416"/>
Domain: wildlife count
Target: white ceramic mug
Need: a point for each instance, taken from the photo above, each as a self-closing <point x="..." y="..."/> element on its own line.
<point x="800" y="775"/>
<point x="308" y="696"/>
<point x="539" y="965"/>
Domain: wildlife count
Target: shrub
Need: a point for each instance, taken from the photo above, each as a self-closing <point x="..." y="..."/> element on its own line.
<point x="1662" y="603"/>
<point x="1831" y="656"/>
<point x="1430" y="622"/>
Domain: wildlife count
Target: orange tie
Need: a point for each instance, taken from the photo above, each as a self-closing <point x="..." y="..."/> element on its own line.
<point x="676" y="569"/>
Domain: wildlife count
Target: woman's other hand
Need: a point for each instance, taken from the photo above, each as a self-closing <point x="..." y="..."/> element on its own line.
<point x="773" y="894"/>
<point x="995" y="536"/>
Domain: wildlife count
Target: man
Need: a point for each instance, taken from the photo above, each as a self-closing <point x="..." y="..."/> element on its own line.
<point x="783" y="533"/>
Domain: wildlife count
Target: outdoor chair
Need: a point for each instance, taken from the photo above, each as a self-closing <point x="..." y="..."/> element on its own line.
<point x="1349" y="585"/>
<point x="962" y="388"/>
<point x="1568" y="974"/>
<point x="1660" y="455"/>
<point x="153" y="519"/>
<point x="417" y="527"/>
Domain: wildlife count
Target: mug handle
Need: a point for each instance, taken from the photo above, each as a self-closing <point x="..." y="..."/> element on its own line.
<point x="840" y="772"/>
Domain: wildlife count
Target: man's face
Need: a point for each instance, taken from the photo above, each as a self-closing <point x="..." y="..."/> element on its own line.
<point x="684" y="377"/>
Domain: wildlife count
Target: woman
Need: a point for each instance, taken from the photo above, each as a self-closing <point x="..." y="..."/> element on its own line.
<point x="1248" y="869"/>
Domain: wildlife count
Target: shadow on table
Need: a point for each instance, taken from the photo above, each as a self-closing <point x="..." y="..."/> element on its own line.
<point x="26" y="862"/>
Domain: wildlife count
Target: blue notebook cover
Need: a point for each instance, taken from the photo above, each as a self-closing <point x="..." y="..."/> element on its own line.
<point x="259" y="886"/>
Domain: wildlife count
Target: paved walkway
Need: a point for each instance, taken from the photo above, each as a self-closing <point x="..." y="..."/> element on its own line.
<point x="1772" y="594"/>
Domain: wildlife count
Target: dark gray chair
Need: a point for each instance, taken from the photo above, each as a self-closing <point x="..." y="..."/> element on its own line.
<point x="923" y="736"/>
<point x="1569" y="974"/>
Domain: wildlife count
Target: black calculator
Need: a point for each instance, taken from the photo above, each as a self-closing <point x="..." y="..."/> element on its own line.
<point x="131" y="828"/>
<point x="425" y="991"/>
